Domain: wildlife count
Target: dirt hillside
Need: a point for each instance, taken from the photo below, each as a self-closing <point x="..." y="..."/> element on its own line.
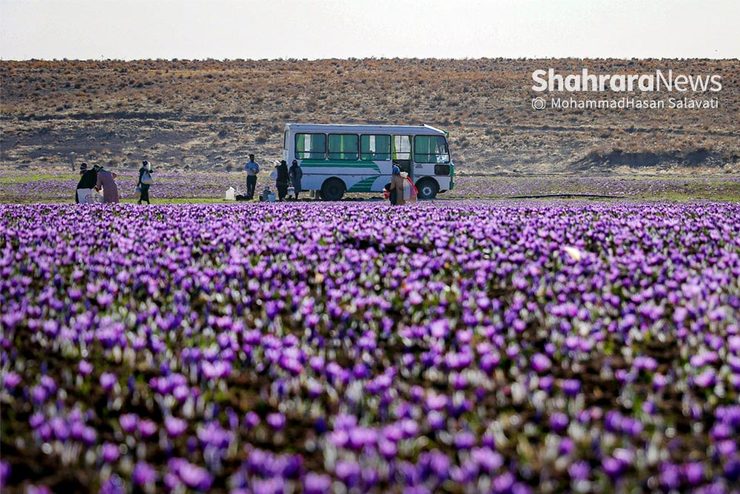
<point x="198" y="114"/>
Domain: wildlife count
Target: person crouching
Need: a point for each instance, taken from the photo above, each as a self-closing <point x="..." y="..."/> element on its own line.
<point x="88" y="179"/>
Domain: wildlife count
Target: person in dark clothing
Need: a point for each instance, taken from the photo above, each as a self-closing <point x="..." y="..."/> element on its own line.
<point x="282" y="181"/>
<point x="296" y="174"/>
<point x="252" y="168"/>
<point x="85" y="186"/>
<point x="145" y="180"/>
<point x="396" y="187"/>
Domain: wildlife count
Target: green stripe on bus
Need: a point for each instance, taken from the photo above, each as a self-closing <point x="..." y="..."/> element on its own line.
<point x="363" y="185"/>
<point x="368" y="165"/>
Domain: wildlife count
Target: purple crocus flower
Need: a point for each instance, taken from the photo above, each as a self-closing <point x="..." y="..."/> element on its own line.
<point x="436" y="420"/>
<point x="38" y="489"/>
<point x="144" y="474"/>
<point x="251" y="420"/>
<point x="559" y="421"/>
<point x="541" y="363"/>
<point x="39" y="394"/>
<point x="487" y="459"/>
<point x="694" y="473"/>
<point x="348" y="471"/>
<point x="11" y="380"/>
<point x="108" y="380"/>
<point x="503" y="483"/>
<point x="109" y="453"/>
<point x="4" y="473"/>
<point x="579" y="470"/>
<point x="192" y="476"/>
<point x="464" y="440"/>
<point x="571" y="387"/>
<point x="85" y="367"/>
<point x="276" y="420"/>
<point x="195" y="477"/>
<point x="129" y="422"/>
<point x="147" y="428"/>
<point x="670" y="476"/>
<point x="612" y="466"/>
<point x="175" y="426"/>
<point x="114" y="485"/>
<point x="315" y="483"/>
<point x="706" y="379"/>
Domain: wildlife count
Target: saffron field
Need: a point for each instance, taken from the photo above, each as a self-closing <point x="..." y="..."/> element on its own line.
<point x="308" y="347"/>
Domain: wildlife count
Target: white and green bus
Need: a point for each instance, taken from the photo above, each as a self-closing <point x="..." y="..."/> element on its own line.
<point x="359" y="158"/>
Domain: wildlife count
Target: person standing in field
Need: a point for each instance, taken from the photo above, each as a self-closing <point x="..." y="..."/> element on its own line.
<point x="252" y="169"/>
<point x="396" y="188"/>
<point x="282" y="180"/>
<point x="296" y="174"/>
<point x="145" y="181"/>
<point x="88" y="179"/>
<point x="107" y="181"/>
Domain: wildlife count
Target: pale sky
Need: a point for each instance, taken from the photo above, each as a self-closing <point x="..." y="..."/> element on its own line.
<point x="197" y="29"/>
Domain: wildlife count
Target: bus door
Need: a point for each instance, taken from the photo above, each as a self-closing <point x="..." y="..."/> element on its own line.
<point x="402" y="154"/>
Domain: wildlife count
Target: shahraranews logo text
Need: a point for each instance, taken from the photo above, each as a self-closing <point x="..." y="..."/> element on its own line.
<point x="549" y="80"/>
<point x="628" y="103"/>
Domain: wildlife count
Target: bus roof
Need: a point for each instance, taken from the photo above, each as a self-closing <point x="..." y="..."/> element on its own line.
<point x="365" y="129"/>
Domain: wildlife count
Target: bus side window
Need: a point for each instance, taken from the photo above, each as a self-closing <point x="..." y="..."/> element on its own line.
<point x="375" y="147"/>
<point x="343" y="147"/>
<point x="431" y="149"/>
<point x="310" y="146"/>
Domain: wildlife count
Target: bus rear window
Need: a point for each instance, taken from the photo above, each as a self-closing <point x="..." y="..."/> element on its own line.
<point x="431" y="149"/>
<point x="375" y="147"/>
<point x="310" y="146"/>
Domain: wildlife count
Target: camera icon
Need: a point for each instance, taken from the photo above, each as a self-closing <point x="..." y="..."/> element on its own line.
<point x="539" y="103"/>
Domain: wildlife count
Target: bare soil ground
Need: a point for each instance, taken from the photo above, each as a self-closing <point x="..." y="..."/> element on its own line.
<point x="196" y="115"/>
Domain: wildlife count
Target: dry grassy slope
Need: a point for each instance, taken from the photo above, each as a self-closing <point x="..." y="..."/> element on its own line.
<point x="193" y="114"/>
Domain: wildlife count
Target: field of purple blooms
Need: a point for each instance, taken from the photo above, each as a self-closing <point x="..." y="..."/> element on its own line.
<point x="438" y="347"/>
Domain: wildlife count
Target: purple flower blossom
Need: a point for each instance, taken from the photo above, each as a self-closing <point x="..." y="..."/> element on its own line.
<point x="4" y="473"/>
<point x="541" y="363"/>
<point x="571" y="387"/>
<point x="85" y="367"/>
<point x="558" y="421"/>
<point x="579" y="470"/>
<point x="175" y="427"/>
<point x="144" y="474"/>
<point x="11" y="380"/>
<point x="316" y="483"/>
<point x="705" y="379"/>
<point x="110" y="453"/>
<point x="251" y="420"/>
<point x="147" y="428"/>
<point x="129" y="422"/>
<point x="108" y="380"/>
<point x="191" y="475"/>
<point x="276" y="420"/>
<point x="464" y="440"/>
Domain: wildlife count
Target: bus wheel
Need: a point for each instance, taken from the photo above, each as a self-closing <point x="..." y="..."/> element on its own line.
<point x="428" y="188"/>
<point x="333" y="190"/>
